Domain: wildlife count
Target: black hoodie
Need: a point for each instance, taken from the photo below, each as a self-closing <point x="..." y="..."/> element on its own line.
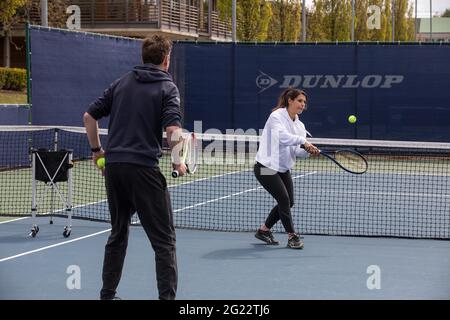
<point x="140" y="104"/>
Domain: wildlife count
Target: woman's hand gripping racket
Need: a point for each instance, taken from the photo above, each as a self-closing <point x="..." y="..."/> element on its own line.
<point x="189" y="154"/>
<point x="346" y="159"/>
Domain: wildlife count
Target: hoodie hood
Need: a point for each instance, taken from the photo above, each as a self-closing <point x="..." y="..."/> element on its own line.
<point x="150" y="73"/>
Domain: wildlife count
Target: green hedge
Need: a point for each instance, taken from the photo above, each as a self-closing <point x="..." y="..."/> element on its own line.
<point x="13" y="79"/>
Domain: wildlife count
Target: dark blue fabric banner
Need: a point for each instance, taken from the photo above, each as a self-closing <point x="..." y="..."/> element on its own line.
<point x="70" y="69"/>
<point x="397" y="92"/>
<point x="14" y="114"/>
<point x="208" y="85"/>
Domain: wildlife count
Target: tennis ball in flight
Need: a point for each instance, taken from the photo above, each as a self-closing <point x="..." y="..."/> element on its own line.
<point x="352" y="119"/>
<point x="101" y="162"/>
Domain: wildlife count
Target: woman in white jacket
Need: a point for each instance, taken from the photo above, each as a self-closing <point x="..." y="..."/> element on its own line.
<point x="283" y="139"/>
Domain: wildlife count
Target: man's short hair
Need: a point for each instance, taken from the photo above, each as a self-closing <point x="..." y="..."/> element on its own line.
<point x="155" y="49"/>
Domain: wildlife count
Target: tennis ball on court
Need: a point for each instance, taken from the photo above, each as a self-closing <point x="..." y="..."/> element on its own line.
<point x="352" y="119"/>
<point x="101" y="162"/>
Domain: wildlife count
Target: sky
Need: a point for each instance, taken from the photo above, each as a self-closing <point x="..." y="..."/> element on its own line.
<point x="438" y="7"/>
<point x="423" y="7"/>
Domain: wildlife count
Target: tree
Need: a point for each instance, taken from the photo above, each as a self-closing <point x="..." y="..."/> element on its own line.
<point x="8" y="14"/>
<point x="285" y="22"/>
<point x="387" y="12"/>
<point x="400" y="25"/>
<point x="341" y="23"/>
<point x="410" y="25"/>
<point x="8" y="10"/>
<point x="253" y="17"/>
<point x="224" y="8"/>
<point x="361" y="29"/>
<point x="330" y="20"/>
<point x="446" y="13"/>
<point x="56" y="10"/>
<point x="338" y="20"/>
<point x="20" y="11"/>
<point x="404" y="22"/>
<point x="315" y="27"/>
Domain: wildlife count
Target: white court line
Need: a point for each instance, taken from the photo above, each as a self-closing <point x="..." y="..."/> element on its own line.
<point x="304" y="175"/>
<point x="236" y="172"/>
<point x="233" y="195"/>
<point x="326" y="190"/>
<point x="213" y="200"/>
<point x="14" y="219"/>
<point x="373" y="193"/>
<point x="207" y="178"/>
<point x="94" y="203"/>
<point x="196" y="205"/>
<point x="57" y="211"/>
<point x="53" y="245"/>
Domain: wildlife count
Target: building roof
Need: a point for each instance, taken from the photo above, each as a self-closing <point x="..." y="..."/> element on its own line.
<point x="440" y="25"/>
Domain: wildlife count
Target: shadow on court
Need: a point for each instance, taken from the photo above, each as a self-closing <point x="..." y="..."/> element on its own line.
<point x="221" y="265"/>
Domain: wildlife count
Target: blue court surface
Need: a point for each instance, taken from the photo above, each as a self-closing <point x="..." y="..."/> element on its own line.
<point x="374" y="203"/>
<point x="221" y="265"/>
<point x="333" y="203"/>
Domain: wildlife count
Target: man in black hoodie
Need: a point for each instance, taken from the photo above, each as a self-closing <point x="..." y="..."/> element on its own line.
<point x="140" y="104"/>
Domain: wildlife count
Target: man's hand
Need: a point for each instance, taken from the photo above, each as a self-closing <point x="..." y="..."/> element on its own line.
<point x="311" y="149"/>
<point x="175" y="141"/>
<point x="180" y="168"/>
<point x="91" y="126"/>
<point x="96" y="156"/>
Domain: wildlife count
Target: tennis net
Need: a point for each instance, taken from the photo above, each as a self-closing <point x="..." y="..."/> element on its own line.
<point x="404" y="193"/>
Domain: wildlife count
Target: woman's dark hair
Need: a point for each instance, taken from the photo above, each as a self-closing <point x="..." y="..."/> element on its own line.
<point x="289" y="93"/>
<point x="155" y="49"/>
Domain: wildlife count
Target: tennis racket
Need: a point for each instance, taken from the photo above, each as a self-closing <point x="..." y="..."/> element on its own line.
<point x="189" y="154"/>
<point x="348" y="160"/>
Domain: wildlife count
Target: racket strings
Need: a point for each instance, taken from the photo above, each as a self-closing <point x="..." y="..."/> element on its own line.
<point x="192" y="155"/>
<point x="351" y="161"/>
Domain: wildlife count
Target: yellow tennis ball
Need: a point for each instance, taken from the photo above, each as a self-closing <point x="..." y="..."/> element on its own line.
<point x="101" y="162"/>
<point x="352" y="119"/>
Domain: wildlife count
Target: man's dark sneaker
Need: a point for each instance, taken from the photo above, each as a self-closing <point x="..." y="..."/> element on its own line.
<point x="294" y="242"/>
<point x="266" y="236"/>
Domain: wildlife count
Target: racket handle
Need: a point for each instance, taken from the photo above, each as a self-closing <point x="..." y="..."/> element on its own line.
<point x="175" y="174"/>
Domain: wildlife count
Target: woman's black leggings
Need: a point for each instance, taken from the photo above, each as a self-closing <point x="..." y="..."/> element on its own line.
<point x="280" y="186"/>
